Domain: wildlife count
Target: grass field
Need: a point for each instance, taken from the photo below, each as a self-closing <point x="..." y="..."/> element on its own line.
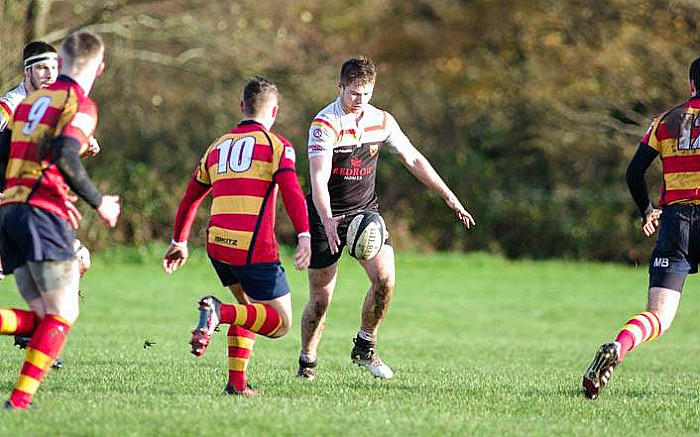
<point x="479" y="345"/>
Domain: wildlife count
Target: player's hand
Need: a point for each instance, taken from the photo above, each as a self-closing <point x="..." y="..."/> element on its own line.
<point x="93" y="147"/>
<point x="330" y="225"/>
<point x="175" y="257"/>
<point x="109" y="210"/>
<point x="651" y="222"/>
<point x="74" y="215"/>
<point x="302" y="257"/>
<point x="462" y="214"/>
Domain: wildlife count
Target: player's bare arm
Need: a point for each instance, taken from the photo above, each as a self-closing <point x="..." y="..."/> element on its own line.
<point x="421" y="168"/>
<point x="320" y="172"/>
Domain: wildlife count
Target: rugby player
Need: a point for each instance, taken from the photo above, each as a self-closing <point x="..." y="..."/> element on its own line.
<point x="50" y="130"/>
<point x="244" y="169"/>
<point x="673" y="136"/>
<point x="345" y="140"/>
<point x="40" y="70"/>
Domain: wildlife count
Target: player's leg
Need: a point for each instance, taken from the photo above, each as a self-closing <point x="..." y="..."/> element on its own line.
<point x="18" y="322"/>
<point x="313" y="318"/>
<point x="668" y="267"/>
<point x="240" y="346"/>
<point x="640" y="328"/>
<point x="24" y="322"/>
<point x="265" y="308"/>
<point x="57" y="282"/>
<point x="382" y="274"/>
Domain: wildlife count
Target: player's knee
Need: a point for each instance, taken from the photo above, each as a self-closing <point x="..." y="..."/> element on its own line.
<point x="384" y="285"/>
<point x="320" y="299"/>
<point x="69" y="314"/>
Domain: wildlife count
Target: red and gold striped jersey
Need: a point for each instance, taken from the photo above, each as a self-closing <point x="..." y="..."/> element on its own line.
<point x="242" y="168"/>
<point x="676" y="136"/>
<point x="62" y="109"/>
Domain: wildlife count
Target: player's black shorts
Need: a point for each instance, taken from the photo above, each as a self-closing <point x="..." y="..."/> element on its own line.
<point x="320" y="250"/>
<point x="677" y="250"/>
<point x="264" y="281"/>
<point x="33" y="234"/>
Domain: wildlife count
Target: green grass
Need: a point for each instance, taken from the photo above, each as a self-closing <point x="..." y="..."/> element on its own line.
<point x="479" y="345"/>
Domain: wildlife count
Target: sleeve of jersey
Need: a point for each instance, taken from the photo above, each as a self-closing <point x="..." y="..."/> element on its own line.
<point x="5" y="115"/>
<point x="322" y="137"/>
<point x="397" y="141"/>
<point x="82" y="125"/>
<point x="292" y="196"/>
<point x="293" y="199"/>
<point x="634" y="176"/>
<point x="649" y="137"/>
<point x="187" y="210"/>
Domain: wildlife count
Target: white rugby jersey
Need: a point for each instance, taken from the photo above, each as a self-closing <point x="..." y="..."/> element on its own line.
<point x="355" y="149"/>
<point x="8" y="104"/>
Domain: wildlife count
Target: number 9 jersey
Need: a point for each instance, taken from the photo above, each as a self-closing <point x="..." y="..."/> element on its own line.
<point x="62" y="109"/>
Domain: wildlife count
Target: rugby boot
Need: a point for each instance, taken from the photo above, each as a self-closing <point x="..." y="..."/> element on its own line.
<point x="247" y="392"/>
<point x="306" y="370"/>
<point x="601" y="369"/>
<point x="8" y="406"/>
<point x="57" y="364"/>
<point x="363" y="355"/>
<point x="21" y="342"/>
<point x="209" y="317"/>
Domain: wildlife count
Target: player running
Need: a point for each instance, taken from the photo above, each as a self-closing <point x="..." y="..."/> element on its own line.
<point x="243" y="170"/>
<point x="345" y="139"/>
<point x="40" y="70"/>
<point x="674" y="136"/>
<point x="49" y="130"/>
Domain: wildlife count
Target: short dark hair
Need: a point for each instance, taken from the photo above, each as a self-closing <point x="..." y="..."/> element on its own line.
<point x="81" y="47"/>
<point x="695" y="73"/>
<point x="256" y="93"/>
<point x="361" y="70"/>
<point x="31" y="52"/>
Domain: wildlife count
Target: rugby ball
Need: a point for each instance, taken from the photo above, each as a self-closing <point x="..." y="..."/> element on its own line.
<point x="366" y="235"/>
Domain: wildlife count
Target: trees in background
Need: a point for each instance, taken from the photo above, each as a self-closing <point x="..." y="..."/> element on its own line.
<point x="529" y="111"/>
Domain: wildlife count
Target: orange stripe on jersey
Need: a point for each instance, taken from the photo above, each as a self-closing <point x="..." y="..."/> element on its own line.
<point x="321" y="123"/>
<point x="258" y="170"/>
<point x="236" y="205"/>
<point x="682" y="181"/>
<point x="22" y="168"/>
<point x="229" y="238"/>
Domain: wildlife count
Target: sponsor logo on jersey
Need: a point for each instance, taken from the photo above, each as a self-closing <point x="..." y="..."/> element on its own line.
<point x="232" y="242"/>
<point x="353" y="173"/>
<point x="315" y="148"/>
<point x="290" y="154"/>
